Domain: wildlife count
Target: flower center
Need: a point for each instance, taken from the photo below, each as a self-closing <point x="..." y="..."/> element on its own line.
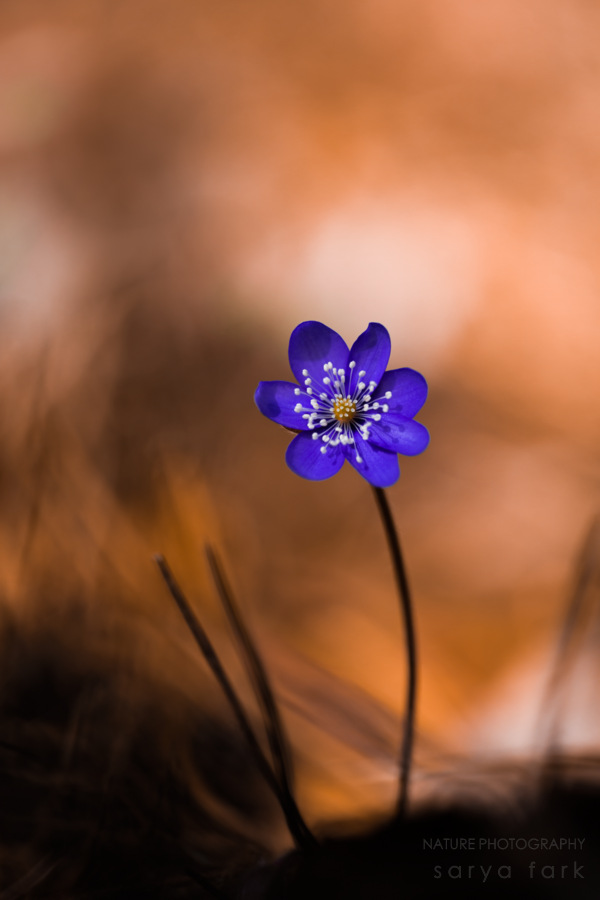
<point x="344" y="409"/>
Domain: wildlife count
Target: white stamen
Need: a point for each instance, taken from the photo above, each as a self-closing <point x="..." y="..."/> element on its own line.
<point x="377" y="417"/>
<point x="314" y="403"/>
<point x="326" y="381"/>
<point x="307" y="380"/>
<point x="323" y="423"/>
<point x="362" y="373"/>
<point x="315" y="436"/>
<point x="351" y="364"/>
<point x="388" y="395"/>
<point x="296" y="391"/>
<point x="359" y="459"/>
<point x="305" y="372"/>
<point x="385" y="407"/>
<point x="323" y="449"/>
<point x="298" y="408"/>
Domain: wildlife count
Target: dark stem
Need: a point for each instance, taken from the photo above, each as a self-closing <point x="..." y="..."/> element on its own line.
<point x="264" y="693"/>
<point x="209" y="653"/>
<point x="411" y="646"/>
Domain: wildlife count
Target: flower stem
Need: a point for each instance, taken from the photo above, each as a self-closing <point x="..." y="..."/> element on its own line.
<point x="393" y="540"/>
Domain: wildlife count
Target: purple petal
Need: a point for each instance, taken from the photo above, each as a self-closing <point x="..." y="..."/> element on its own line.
<point x="313" y="344"/>
<point x="379" y="467"/>
<point x="371" y="353"/>
<point x="277" y="400"/>
<point x="304" y="457"/>
<point x="409" y="391"/>
<point x="399" y="434"/>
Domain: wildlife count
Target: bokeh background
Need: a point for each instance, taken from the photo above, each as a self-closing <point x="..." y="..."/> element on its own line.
<point x="181" y="183"/>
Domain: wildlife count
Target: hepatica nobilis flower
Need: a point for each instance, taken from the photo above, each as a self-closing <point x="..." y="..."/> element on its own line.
<point x="346" y="406"/>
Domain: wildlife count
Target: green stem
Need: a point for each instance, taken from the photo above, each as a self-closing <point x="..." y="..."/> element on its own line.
<point x="393" y="540"/>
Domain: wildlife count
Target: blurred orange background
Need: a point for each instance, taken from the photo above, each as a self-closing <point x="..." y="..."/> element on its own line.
<point x="181" y="183"/>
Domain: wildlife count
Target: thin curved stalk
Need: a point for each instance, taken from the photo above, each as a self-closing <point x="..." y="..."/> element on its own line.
<point x="577" y="618"/>
<point x="302" y="838"/>
<point x="393" y="540"/>
<point x="259" y="678"/>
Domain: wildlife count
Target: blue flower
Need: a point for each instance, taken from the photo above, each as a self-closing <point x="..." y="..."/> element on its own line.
<point x="346" y="406"/>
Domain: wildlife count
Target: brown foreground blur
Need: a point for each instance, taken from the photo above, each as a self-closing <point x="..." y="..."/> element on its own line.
<point x="181" y="184"/>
